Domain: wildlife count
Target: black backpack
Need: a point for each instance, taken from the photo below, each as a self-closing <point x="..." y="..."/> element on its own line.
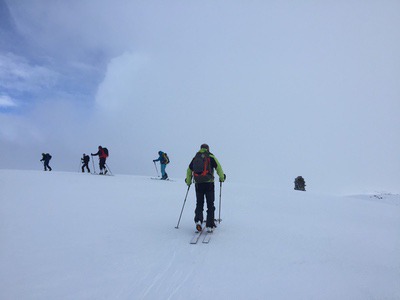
<point x="202" y="169"/>
<point x="105" y="151"/>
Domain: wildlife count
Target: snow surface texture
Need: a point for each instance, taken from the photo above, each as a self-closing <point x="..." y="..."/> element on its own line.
<point x="81" y="236"/>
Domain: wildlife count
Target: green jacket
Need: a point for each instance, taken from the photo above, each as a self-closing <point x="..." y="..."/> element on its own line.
<point x="214" y="165"/>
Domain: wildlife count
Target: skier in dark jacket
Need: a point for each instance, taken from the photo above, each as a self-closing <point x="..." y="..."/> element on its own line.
<point x="102" y="160"/>
<point x="46" y="159"/>
<point x="201" y="168"/>
<point x="85" y="163"/>
<point x="164" y="160"/>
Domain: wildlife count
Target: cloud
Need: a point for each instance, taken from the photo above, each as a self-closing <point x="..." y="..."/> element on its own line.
<point x="18" y="75"/>
<point x="7" y="102"/>
<point x="121" y="85"/>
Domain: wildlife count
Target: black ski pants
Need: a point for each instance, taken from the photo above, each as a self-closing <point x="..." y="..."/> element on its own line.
<point x="102" y="164"/>
<point x="46" y="165"/>
<point x="85" y="165"/>
<point x="205" y="190"/>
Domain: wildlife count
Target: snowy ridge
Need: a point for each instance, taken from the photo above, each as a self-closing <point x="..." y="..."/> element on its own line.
<point x="77" y="236"/>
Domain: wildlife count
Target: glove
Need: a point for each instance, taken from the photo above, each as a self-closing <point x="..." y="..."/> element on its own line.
<point x="222" y="179"/>
<point x="154" y="160"/>
<point x="188" y="183"/>
<point x="91" y="154"/>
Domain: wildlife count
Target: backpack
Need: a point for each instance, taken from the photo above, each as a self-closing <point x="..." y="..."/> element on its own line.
<point x="166" y="159"/>
<point x="202" y="169"/>
<point x="48" y="156"/>
<point x="105" y="151"/>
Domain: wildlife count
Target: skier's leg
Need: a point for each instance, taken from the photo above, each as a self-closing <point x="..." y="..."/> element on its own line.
<point x="163" y="171"/>
<point x="102" y="165"/>
<point x="199" y="203"/>
<point x="210" y="197"/>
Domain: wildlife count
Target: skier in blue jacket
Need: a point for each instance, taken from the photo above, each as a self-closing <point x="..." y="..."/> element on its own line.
<point x="164" y="160"/>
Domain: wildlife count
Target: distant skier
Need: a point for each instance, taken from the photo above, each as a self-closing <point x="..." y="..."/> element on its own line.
<point x="299" y="184"/>
<point x="202" y="169"/>
<point x="85" y="163"/>
<point x="164" y="160"/>
<point x="46" y="159"/>
<point x="103" y="154"/>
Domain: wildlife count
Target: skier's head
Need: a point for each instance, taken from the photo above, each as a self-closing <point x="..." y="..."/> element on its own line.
<point x="100" y="147"/>
<point x="205" y="146"/>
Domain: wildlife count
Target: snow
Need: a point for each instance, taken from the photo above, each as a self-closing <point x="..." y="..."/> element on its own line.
<point x="80" y="236"/>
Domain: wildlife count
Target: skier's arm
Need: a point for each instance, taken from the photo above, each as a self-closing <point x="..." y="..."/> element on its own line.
<point x="189" y="174"/>
<point x="218" y="167"/>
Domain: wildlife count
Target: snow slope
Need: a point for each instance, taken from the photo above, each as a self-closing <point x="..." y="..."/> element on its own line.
<point x="81" y="236"/>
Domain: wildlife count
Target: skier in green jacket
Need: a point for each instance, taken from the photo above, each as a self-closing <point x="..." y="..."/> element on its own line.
<point x="201" y="169"/>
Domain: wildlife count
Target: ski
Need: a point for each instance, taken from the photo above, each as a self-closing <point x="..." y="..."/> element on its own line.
<point x="196" y="237"/>
<point x="207" y="237"/>
<point x="102" y="174"/>
<point x="159" y="178"/>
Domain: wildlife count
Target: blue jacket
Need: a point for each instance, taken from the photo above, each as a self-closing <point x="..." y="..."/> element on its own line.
<point x="161" y="158"/>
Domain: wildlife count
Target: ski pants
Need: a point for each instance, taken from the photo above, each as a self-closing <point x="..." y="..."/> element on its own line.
<point x="102" y="163"/>
<point x="85" y="165"/>
<point x="46" y="165"/>
<point x="206" y="190"/>
<point x="163" y="166"/>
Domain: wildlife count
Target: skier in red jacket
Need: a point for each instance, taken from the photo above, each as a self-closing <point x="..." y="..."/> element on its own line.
<point x="103" y="154"/>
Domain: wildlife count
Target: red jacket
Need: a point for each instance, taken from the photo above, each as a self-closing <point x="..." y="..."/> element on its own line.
<point x="101" y="153"/>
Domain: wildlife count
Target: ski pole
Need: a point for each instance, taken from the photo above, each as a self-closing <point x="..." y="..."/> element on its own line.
<point x="79" y="167"/>
<point x="219" y="210"/>
<point x="177" y="226"/>
<point x="109" y="169"/>
<point x="155" y="165"/>
<point x="94" y="168"/>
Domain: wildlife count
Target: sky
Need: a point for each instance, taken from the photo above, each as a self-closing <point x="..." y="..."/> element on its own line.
<point x="276" y="88"/>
